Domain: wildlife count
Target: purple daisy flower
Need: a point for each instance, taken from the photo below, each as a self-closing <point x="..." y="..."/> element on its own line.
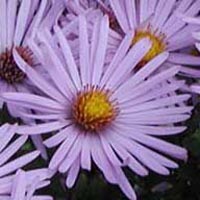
<point x="109" y="116"/>
<point x="23" y="185"/>
<point x="20" y="20"/>
<point x="196" y="35"/>
<point x="20" y="185"/>
<point x="93" y="11"/>
<point x="8" y="149"/>
<point x="85" y="6"/>
<point x="196" y="88"/>
<point x="159" y="21"/>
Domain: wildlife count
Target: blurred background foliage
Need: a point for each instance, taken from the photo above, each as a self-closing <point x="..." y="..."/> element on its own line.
<point x="182" y="184"/>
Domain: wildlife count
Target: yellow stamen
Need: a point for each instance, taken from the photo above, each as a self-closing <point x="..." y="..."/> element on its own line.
<point x="158" y="44"/>
<point x="195" y="52"/>
<point x="93" y="109"/>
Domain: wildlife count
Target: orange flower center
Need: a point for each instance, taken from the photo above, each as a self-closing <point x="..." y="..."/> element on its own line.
<point x="158" y="44"/>
<point x="93" y="109"/>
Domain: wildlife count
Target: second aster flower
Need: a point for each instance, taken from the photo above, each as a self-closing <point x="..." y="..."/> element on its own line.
<point x="160" y="22"/>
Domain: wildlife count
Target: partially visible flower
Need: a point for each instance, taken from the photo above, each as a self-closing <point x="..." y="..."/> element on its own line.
<point x="80" y="6"/>
<point x="69" y="19"/>
<point x="93" y="11"/>
<point x="110" y="116"/>
<point x="9" y="147"/>
<point x="15" y="186"/>
<point x="159" y="21"/>
<point x="196" y="35"/>
<point x="196" y="87"/>
<point x="88" y="6"/>
<point x="23" y="184"/>
<point x="20" y="21"/>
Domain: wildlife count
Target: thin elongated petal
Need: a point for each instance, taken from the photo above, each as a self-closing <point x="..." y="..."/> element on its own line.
<point x="20" y="186"/>
<point x="120" y="14"/>
<point x="61" y="77"/>
<point x="72" y="155"/>
<point x="73" y="173"/>
<point x="109" y="152"/>
<point x="38" y="142"/>
<point x="86" y="153"/>
<point x="12" y="149"/>
<point x="29" y="98"/>
<point x="69" y="58"/>
<point x="18" y="163"/>
<point x="62" y="151"/>
<point x="121" y="52"/>
<point x="41" y="128"/>
<point x="133" y="57"/>
<point x="124" y="184"/>
<point x="22" y="21"/>
<point x="101" y="160"/>
<point x="100" y="51"/>
<point x="11" y="19"/>
<point x="144" y="72"/>
<point x="5" y="139"/>
<point x="37" y="79"/>
<point x="84" y="50"/>
<point x="59" y="137"/>
<point x="3" y="33"/>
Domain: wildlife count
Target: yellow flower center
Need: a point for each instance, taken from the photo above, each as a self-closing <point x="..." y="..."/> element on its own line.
<point x="195" y="52"/>
<point x="158" y="44"/>
<point x="93" y="109"/>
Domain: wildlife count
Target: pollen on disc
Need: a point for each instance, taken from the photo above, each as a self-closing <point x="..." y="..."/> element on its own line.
<point x="158" y="44"/>
<point x="93" y="109"/>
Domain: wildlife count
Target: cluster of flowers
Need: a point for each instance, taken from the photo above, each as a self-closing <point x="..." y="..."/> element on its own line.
<point x="99" y="78"/>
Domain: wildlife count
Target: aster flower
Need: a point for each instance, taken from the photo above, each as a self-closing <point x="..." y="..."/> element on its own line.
<point x="23" y="185"/>
<point x="84" y="6"/>
<point x="196" y="35"/>
<point x="94" y="11"/>
<point x="69" y="19"/>
<point x="109" y="116"/>
<point x="20" y="20"/>
<point x="196" y="88"/>
<point x="160" y="22"/>
<point x="16" y="185"/>
<point x="9" y="146"/>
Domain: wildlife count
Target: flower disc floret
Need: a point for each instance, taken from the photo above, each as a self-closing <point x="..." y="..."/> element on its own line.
<point x="158" y="44"/>
<point x="9" y="71"/>
<point x="93" y="109"/>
